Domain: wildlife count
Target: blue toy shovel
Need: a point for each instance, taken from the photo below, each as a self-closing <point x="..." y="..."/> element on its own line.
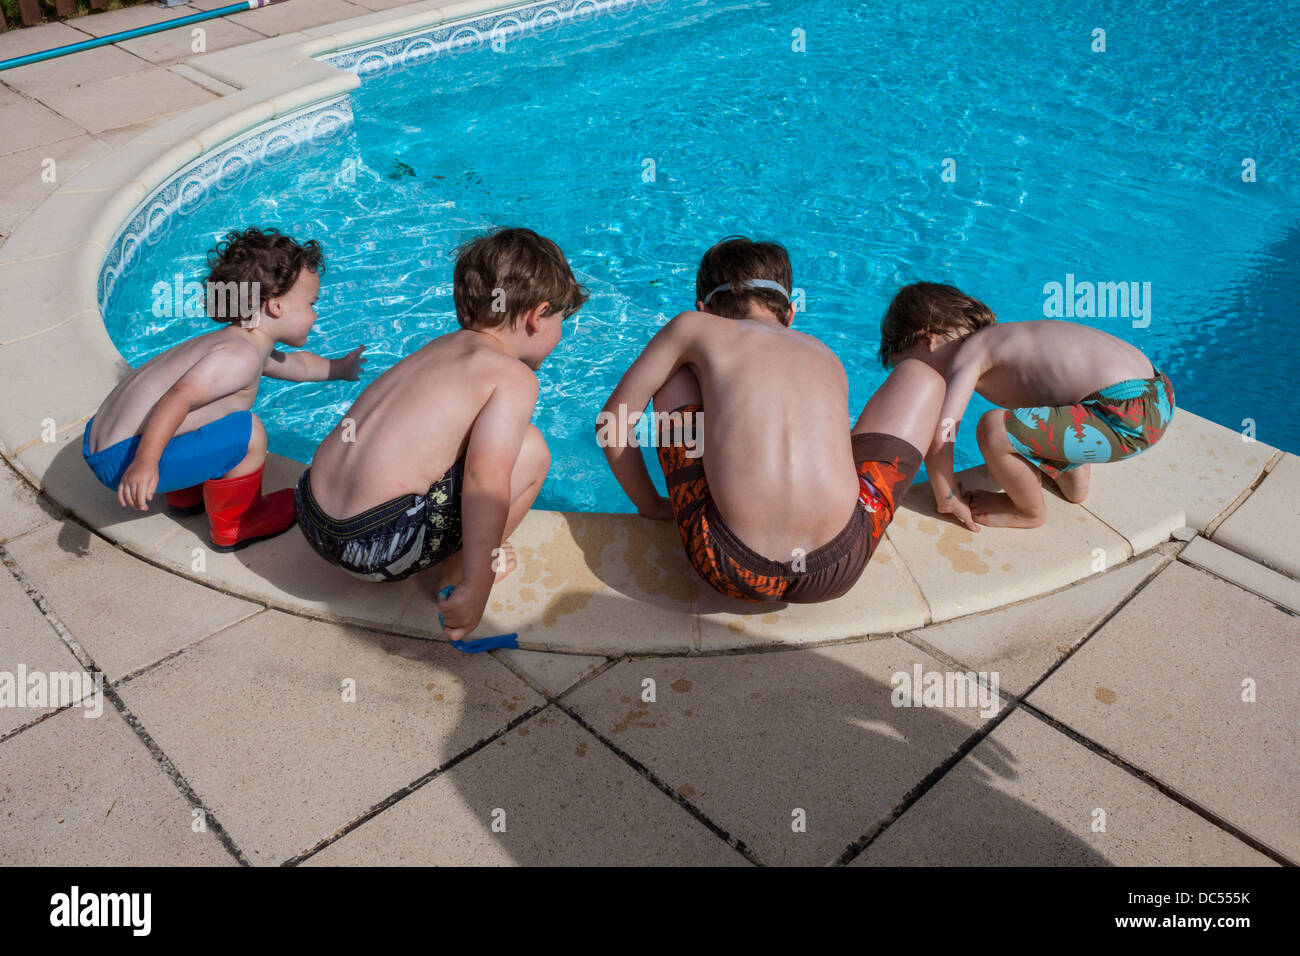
<point x="483" y="643"/>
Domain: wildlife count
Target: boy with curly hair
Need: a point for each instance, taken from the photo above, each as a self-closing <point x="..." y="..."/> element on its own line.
<point x="182" y="423"/>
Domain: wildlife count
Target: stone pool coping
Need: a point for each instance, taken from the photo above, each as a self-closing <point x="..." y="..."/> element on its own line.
<point x="587" y="583"/>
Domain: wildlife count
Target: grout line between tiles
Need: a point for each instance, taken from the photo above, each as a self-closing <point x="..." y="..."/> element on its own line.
<point x="110" y="691"/>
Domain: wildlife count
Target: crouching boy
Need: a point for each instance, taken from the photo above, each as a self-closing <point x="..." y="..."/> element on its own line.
<point x="181" y="423"/>
<point x="436" y="463"/>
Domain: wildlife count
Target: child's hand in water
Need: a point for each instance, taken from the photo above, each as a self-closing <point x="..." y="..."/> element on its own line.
<point x="351" y="365"/>
<point x="957" y="506"/>
<point x="462" y="609"/>
<point x="662" y="511"/>
<point x="138" y="484"/>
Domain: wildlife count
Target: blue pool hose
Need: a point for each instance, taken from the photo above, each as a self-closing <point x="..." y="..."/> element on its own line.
<point x="483" y="643"/>
<point x="131" y="34"/>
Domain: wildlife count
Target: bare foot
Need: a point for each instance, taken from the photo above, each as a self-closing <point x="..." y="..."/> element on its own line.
<point x="996" y="510"/>
<point x="1073" y="485"/>
<point x="504" y="560"/>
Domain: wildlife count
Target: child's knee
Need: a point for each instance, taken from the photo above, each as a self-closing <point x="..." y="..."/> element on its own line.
<point x="991" y="433"/>
<point x="257" y="443"/>
<point x="535" y="451"/>
<point x="1073" y="485"/>
<point x="925" y="385"/>
<point x="921" y="376"/>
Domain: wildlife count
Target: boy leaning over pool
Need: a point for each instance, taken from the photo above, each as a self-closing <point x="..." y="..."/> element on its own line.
<point x="436" y="462"/>
<point x="1071" y="396"/>
<point x="788" y="498"/>
<point x="181" y="423"/>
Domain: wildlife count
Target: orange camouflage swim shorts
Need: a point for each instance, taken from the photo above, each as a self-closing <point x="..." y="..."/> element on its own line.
<point x="886" y="467"/>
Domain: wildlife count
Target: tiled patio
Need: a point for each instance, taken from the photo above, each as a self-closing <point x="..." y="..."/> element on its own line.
<point x="305" y="717"/>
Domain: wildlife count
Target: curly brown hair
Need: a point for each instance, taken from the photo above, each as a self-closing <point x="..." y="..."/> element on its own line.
<point x="924" y="307"/>
<point x="507" y="273"/>
<point x="265" y="259"/>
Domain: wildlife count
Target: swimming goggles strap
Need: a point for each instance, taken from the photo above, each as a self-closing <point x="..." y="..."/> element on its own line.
<point x="750" y="284"/>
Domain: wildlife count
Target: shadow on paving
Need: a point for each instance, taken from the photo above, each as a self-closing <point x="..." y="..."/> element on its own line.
<point x="766" y="733"/>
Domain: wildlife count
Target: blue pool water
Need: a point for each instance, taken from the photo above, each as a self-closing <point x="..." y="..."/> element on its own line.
<point x="1117" y="166"/>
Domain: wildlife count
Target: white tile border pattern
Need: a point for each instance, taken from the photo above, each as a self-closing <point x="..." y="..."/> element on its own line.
<point x="183" y="194"/>
<point x="463" y="36"/>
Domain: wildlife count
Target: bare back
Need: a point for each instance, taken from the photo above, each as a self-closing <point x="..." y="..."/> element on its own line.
<point x="409" y="426"/>
<point x="122" y="414"/>
<point x="777" y="446"/>
<point x="1051" y="363"/>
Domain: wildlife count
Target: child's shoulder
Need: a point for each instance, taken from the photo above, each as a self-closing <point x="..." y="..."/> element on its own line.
<point x="983" y="340"/>
<point x="690" y="320"/>
<point x="485" y="362"/>
<point x="219" y="345"/>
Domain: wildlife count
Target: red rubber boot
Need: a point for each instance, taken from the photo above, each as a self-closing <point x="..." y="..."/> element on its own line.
<point x="185" y="501"/>
<point x="238" y="515"/>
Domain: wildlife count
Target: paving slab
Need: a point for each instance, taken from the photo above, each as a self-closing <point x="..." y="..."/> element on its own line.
<point x="564" y="800"/>
<point x="1022" y="642"/>
<point x="1242" y="571"/>
<point x="382" y="4"/>
<point x="36" y="293"/>
<point x="554" y="673"/>
<point x="208" y="4"/>
<point x="209" y="83"/>
<point x="585" y="582"/>
<point x="297" y="14"/>
<point x="123" y="100"/>
<point x="28" y="124"/>
<point x="70" y="219"/>
<point x="128" y="18"/>
<point x="884" y="600"/>
<point x="77" y="352"/>
<point x="28" y="641"/>
<point x="67" y="480"/>
<point x="251" y="63"/>
<point x="83" y="792"/>
<point x="1267" y="525"/>
<point x="810" y="730"/>
<point x="125" y="613"/>
<point x="148" y="164"/>
<point x="178" y="44"/>
<point x="255" y="718"/>
<point x="1063" y="806"/>
<point x="1162" y="686"/>
<point x="80" y="71"/>
<point x="378" y="25"/>
<point x="1198" y="467"/>
<point x="29" y="177"/>
<point x="34" y="39"/>
<point x="962" y="572"/>
<point x="282" y="571"/>
<point x="21" y="508"/>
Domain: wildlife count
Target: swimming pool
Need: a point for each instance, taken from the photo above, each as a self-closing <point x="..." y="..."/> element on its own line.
<point x="637" y="139"/>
